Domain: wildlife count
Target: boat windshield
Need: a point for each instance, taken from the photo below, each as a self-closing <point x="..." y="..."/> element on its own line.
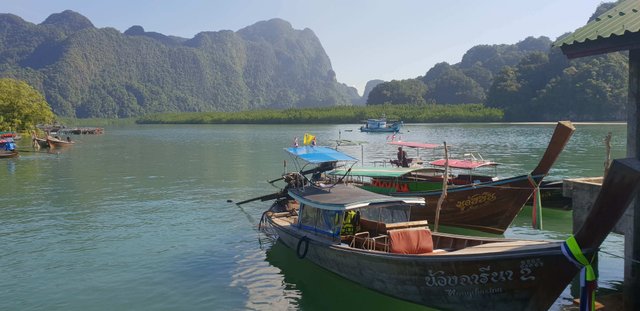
<point x="322" y="221"/>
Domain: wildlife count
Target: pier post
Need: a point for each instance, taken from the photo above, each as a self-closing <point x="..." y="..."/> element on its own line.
<point x="632" y="241"/>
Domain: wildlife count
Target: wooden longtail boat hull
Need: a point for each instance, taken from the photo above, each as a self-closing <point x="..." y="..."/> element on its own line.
<point x="491" y="206"/>
<point x="8" y="154"/>
<point x="499" y="274"/>
<point x="55" y="143"/>
<point x="485" y="281"/>
<point x="43" y="143"/>
<point x="381" y="130"/>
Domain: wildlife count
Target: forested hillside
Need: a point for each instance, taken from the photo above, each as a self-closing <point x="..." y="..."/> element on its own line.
<point x="529" y="81"/>
<point x="86" y="71"/>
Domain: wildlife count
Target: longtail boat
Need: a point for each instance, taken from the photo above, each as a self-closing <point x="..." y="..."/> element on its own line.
<point x="420" y="175"/>
<point x="488" y="206"/>
<point x="40" y="142"/>
<point x="58" y="143"/>
<point x="372" y="240"/>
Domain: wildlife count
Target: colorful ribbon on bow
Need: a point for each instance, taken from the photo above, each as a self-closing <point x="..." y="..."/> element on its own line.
<point x="536" y="211"/>
<point x="588" y="280"/>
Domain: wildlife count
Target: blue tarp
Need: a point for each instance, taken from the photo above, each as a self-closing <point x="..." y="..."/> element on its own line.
<point x="316" y="154"/>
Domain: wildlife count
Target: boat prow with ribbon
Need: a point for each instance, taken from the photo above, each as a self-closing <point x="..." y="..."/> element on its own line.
<point x="376" y="241"/>
<point x="482" y="204"/>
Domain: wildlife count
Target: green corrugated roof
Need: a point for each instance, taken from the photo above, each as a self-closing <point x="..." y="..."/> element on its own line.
<point x="621" y="19"/>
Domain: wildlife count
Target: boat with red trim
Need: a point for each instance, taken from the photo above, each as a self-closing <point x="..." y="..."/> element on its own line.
<point x="473" y="201"/>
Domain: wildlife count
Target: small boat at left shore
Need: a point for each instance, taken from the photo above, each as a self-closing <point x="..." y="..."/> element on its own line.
<point x="8" y="154"/>
<point x="8" y="148"/>
<point x="9" y="134"/>
<point x="373" y="240"/>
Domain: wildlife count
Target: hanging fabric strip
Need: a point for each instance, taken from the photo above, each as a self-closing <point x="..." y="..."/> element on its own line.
<point x="588" y="280"/>
<point x="536" y="210"/>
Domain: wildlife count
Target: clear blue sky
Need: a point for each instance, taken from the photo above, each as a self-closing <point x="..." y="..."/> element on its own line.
<point x="365" y="39"/>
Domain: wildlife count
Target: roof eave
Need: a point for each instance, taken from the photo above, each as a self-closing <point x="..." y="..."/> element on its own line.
<point x="628" y="41"/>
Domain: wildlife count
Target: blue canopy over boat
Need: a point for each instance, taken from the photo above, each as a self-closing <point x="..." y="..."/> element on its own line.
<point x="317" y="154"/>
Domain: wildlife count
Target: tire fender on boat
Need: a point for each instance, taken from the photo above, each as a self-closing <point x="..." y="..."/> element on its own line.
<point x="306" y="247"/>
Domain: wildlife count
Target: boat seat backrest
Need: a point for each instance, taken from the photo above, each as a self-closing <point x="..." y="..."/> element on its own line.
<point x="372" y="226"/>
<point x="410" y="241"/>
<point x="376" y="227"/>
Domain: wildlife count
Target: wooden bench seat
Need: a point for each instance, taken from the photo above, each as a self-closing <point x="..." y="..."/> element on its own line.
<point x="375" y="227"/>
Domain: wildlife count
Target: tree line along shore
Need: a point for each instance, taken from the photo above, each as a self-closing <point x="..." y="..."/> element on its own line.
<point x="426" y="113"/>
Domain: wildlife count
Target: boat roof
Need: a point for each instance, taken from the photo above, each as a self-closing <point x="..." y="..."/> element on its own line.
<point x="345" y="197"/>
<point x="463" y="163"/>
<point x="412" y="144"/>
<point x="378" y="171"/>
<point x="318" y="154"/>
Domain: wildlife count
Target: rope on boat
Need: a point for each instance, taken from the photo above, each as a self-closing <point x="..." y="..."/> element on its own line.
<point x="536" y="211"/>
<point x="636" y="261"/>
<point x="266" y="227"/>
<point x="588" y="279"/>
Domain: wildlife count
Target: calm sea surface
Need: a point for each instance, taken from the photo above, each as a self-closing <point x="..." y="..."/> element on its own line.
<point x="138" y="218"/>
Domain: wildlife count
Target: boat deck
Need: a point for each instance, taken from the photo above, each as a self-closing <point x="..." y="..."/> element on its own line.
<point x="499" y="247"/>
<point x="453" y="244"/>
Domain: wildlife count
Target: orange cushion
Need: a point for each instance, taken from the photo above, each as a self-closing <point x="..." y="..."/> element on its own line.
<point x="410" y="241"/>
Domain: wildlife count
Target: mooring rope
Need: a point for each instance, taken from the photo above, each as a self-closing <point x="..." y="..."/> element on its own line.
<point x="636" y="261"/>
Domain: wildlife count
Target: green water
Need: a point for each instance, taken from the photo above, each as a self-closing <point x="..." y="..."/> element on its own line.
<point x="138" y="218"/>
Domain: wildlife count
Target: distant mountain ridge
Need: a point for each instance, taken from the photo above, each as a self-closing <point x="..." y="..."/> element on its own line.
<point x="85" y="71"/>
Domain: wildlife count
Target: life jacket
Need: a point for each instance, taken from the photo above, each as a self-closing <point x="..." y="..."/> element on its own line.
<point x="349" y="224"/>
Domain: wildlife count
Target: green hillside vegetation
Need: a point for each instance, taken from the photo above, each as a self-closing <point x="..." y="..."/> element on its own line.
<point x="271" y="69"/>
<point x="529" y="81"/>
<point x="335" y="115"/>
<point x="462" y="83"/>
<point x="85" y="71"/>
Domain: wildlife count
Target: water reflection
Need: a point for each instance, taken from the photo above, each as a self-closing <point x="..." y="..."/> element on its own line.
<point x="309" y="287"/>
<point x="11" y="166"/>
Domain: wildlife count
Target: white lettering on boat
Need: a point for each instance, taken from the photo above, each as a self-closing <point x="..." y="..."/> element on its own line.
<point x="474" y="292"/>
<point x="484" y="275"/>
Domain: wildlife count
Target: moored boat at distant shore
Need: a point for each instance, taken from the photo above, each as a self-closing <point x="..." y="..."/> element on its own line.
<point x="59" y="143"/>
<point x="381" y="126"/>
